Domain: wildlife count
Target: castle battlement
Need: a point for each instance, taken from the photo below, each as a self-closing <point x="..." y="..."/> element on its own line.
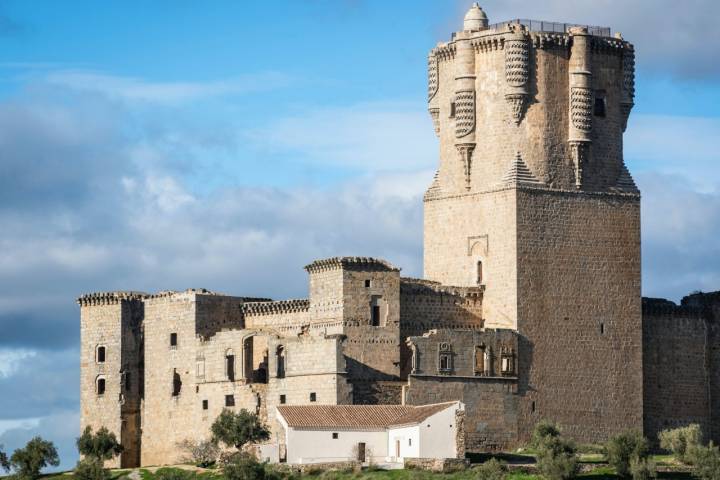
<point x="351" y="263"/>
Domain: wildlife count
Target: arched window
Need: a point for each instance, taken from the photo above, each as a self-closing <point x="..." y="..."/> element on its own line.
<point x="479" y="272"/>
<point x="100" y="385"/>
<point x="100" y="354"/>
<point x="280" y="361"/>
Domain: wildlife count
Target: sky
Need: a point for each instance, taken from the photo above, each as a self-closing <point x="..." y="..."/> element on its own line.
<point x="224" y="145"/>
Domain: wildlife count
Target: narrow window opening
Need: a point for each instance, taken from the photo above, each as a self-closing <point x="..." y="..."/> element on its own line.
<point x="602" y="328"/>
<point x="229" y="400"/>
<point x="600" y="104"/>
<point x="313" y="396"/>
<point x="173" y="340"/>
<point x="197" y="388"/>
<point x="479" y="272"/>
<point x="452" y="110"/>
<point x="177" y="383"/>
<point x="375" y="320"/>
<point x="480" y="360"/>
<point x="205" y="404"/>
<point x="532" y="406"/>
<point x="335" y="436"/>
<point x="230" y="366"/>
<point x="282" y="399"/>
<point x="100" y="385"/>
<point x="101" y="354"/>
<point x="367" y="283"/>
<point x="128" y="385"/>
<point x="280" y="362"/>
<point x="409" y="442"/>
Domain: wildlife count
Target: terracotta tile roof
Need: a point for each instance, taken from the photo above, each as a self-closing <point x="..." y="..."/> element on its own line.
<point x="366" y="417"/>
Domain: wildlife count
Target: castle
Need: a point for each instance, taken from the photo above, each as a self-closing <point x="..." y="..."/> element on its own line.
<point x="530" y="307"/>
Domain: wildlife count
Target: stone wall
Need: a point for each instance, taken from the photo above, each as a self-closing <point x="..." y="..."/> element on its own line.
<point x="681" y="358"/>
<point x="579" y="316"/>
<point x="489" y="393"/>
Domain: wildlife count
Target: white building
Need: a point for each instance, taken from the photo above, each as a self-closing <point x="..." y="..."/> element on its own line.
<point x="378" y="433"/>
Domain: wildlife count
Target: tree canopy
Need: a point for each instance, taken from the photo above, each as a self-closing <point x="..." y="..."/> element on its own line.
<point x="237" y="429"/>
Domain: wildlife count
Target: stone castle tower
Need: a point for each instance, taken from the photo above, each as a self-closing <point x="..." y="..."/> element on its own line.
<point x="532" y="202"/>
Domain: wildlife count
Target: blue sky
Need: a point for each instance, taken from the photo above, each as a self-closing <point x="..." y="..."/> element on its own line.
<point x="175" y="144"/>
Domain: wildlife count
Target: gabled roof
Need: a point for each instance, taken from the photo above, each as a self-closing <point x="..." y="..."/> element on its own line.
<point x="361" y="417"/>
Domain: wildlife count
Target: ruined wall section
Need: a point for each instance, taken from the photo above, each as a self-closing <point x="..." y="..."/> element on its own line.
<point x="675" y="365"/>
<point x="579" y="312"/>
<point x="481" y="373"/>
<point x="113" y="322"/>
<point x="426" y="305"/>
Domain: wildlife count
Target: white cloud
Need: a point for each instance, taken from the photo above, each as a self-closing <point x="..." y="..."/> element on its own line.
<point x="10" y="360"/>
<point x="141" y="90"/>
<point x="368" y="136"/>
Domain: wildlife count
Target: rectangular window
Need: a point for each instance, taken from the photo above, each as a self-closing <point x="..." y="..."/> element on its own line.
<point x="205" y="404"/>
<point x="600" y="106"/>
<point x="452" y="110"/>
<point x="100" y="386"/>
<point x="127" y="381"/>
<point x="506" y="365"/>
<point x="230" y="363"/>
<point x="173" y="340"/>
<point x="313" y="397"/>
<point x="282" y="399"/>
<point x="101" y="354"/>
<point x="409" y="442"/>
<point x="367" y="283"/>
<point x="375" y="319"/>
<point x="335" y="436"/>
<point x="229" y="400"/>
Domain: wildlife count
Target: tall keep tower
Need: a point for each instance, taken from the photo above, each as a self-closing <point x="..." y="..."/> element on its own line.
<point x="532" y="200"/>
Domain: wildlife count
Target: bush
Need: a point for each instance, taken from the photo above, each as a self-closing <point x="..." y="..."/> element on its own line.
<point x="544" y="429"/>
<point x="174" y="474"/>
<point x="556" y="459"/>
<point x="680" y="440"/>
<point x="102" y="445"/>
<point x="91" y="468"/>
<point x="36" y="455"/>
<point x="491" y="470"/>
<point x="625" y="448"/>
<point x="706" y="461"/>
<point x="203" y="453"/>
<point x="242" y="466"/>
<point x="4" y="462"/>
<point x="643" y="469"/>
<point x="237" y="429"/>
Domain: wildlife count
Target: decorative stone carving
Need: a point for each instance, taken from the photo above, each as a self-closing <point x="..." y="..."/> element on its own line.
<point x="581" y="108"/>
<point x="519" y="174"/>
<point x="578" y="152"/>
<point x="517" y="73"/>
<point x="432" y="76"/>
<point x="465" y="151"/>
<point x="517" y="65"/>
<point x="516" y="102"/>
<point x="464" y="113"/>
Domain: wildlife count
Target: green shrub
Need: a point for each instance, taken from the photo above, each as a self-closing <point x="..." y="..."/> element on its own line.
<point x="4" y="462"/>
<point x="102" y="445"/>
<point x="643" y="469"/>
<point x="543" y="430"/>
<point x="680" y="440"/>
<point x="556" y="459"/>
<point x="91" y="468"/>
<point x="237" y="429"/>
<point x="36" y="455"/>
<point x="491" y="470"/>
<point x="242" y="466"/>
<point x="174" y="474"/>
<point x="623" y="449"/>
<point x="706" y="461"/>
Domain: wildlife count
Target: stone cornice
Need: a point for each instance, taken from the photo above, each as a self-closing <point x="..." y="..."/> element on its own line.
<point x="109" y="298"/>
<point x="351" y="263"/>
<point x="272" y="308"/>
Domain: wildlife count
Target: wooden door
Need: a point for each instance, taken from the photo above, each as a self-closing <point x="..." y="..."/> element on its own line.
<point x="361" y="452"/>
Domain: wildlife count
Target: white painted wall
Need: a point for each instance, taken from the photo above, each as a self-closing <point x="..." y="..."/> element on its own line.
<point x="437" y="434"/>
<point x="409" y="438"/>
<point x="317" y="446"/>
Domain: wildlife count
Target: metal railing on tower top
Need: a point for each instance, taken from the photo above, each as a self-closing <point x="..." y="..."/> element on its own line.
<point x="556" y="27"/>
